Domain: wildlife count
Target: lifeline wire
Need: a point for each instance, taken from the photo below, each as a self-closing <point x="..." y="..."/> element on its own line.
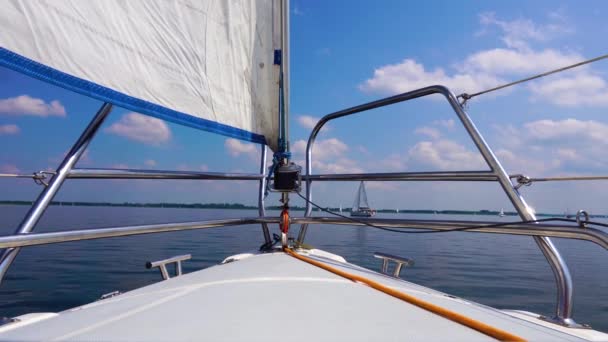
<point x="14" y="175"/>
<point x="467" y="97"/>
<point x="460" y="229"/>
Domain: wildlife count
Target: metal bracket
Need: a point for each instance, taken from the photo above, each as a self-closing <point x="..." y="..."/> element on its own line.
<point x="400" y="262"/>
<point x="162" y="265"/>
<point x="464" y="97"/>
<point x="7" y="320"/>
<point x="40" y="177"/>
<point x="565" y="322"/>
<point x="585" y="218"/>
<point x="109" y="295"/>
<point x="521" y="181"/>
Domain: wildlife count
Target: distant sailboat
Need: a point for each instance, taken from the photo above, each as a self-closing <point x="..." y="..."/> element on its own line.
<point x="340" y="208"/>
<point x="361" y="207"/>
<point x="501" y="213"/>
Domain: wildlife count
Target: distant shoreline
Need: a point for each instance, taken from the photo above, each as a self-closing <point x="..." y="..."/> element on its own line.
<point x="238" y="206"/>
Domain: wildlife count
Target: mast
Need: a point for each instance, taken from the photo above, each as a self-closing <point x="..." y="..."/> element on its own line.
<point x="283" y="143"/>
<point x="285" y="68"/>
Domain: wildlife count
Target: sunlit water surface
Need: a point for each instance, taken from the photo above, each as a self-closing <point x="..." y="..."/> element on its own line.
<point x="498" y="270"/>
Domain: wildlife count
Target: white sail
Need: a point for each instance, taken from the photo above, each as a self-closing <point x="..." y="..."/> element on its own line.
<point x="206" y="64"/>
<point x="357" y="199"/>
<point x="361" y="198"/>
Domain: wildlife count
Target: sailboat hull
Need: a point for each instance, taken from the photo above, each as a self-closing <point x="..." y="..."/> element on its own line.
<point x="363" y="213"/>
<point x="236" y="300"/>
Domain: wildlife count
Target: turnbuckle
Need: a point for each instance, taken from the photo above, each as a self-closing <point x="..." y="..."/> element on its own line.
<point x="284" y="226"/>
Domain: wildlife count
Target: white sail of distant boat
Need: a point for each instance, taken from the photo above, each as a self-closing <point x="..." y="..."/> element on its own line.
<point x="501" y="213"/>
<point x="361" y="206"/>
<point x="340" y="208"/>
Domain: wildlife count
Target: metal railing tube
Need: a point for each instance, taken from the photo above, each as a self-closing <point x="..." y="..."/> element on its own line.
<point x="86" y="173"/>
<point x="46" y="196"/>
<point x="262" y="193"/>
<point x="99" y="233"/>
<point x="349" y="111"/>
<point x="557" y="263"/>
<point x="464" y="176"/>
<point x="596" y="236"/>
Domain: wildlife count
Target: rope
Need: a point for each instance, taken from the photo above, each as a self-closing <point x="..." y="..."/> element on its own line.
<point x="459" y="229"/>
<point x="438" y="310"/>
<point x="465" y="97"/>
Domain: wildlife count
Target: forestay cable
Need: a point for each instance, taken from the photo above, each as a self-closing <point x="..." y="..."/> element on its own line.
<point x="465" y="97"/>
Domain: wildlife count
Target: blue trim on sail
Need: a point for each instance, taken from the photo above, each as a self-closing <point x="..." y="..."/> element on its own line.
<point x="45" y="73"/>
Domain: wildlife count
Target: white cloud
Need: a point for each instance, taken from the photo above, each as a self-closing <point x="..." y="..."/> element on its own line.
<point x="571" y="131"/>
<point x="435" y="153"/>
<point x="27" y="105"/>
<point x="430" y="132"/>
<point x="328" y="156"/>
<point x="323" y="149"/>
<point x="479" y="71"/>
<point x="568" y="154"/>
<point x="362" y="149"/>
<point x="236" y="148"/>
<point x="578" y="87"/>
<point x="447" y="124"/>
<point x="488" y="68"/>
<point x="582" y="88"/>
<point x="445" y="154"/>
<point x="393" y="162"/>
<point x="383" y="186"/>
<point x="500" y="62"/>
<point x="521" y="162"/>
<point x="85" y="158"/>
<point x="9" y="168"/>
<point x="340" y="165"/>
<point x="309" y="122"/>
<point x="9" y="129"/>
<point x="410" y="75"/>
<point x="186" y="167"/>
<point x="150" y="162"/>
<point x="141" y="128"/>
<point x="551" y="147"/>
<point x="517" y="33"/>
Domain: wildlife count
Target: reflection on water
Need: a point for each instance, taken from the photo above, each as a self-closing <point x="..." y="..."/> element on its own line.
<point x="497" y="270"/>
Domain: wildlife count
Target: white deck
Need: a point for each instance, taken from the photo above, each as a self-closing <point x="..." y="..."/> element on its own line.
<point x="270" y="297"/>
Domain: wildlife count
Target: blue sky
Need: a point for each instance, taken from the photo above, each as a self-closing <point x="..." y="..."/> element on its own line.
<point x="345" y="53"/>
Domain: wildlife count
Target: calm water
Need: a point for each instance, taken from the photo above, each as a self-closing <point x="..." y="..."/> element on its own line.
<point x="500" y="271"/>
